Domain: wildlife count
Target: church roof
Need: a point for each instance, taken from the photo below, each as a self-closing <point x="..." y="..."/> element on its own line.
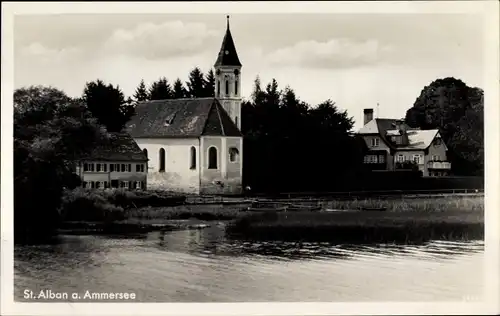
<point x="181" y="118"/>
<point x="116" y="147"/>
<point x="227" y="54"/>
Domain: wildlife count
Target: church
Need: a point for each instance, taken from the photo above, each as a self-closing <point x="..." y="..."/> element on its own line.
<point x="195" y="145"/>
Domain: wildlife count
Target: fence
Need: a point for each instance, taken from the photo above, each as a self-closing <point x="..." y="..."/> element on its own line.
<point x="315" y="196"/>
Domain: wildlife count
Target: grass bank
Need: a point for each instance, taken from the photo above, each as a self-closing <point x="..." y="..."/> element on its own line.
<point x="120" y="211"/>
<point x="412" y="221"/>
<point x="111" y="204"/>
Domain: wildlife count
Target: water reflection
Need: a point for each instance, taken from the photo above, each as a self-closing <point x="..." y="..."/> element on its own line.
<point x="211" y="241"/>
<point x="202" y="266"/>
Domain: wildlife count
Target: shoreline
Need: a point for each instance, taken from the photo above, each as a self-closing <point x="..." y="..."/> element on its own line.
<point x="407" y="220"/>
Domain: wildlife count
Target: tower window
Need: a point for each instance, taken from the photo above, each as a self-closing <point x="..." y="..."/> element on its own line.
<point x="236" y="121"/>
<point x="234" y="154"/>
<point x="227" y="87"/>
<point x="218" y="88"/>
<point x="236" y="87"/>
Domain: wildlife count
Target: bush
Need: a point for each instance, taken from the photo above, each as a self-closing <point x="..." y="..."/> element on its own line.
<point x="110" y="204"/>
<point x="87" y="205"/>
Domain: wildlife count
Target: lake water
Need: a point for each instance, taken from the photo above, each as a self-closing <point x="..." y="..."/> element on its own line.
<point x="202" y="266"/>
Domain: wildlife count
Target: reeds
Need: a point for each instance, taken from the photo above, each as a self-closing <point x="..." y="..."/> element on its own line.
<point x="412" y="221"/>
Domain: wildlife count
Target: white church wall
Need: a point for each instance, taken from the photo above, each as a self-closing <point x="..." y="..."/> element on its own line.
<point x="178" y="175"/>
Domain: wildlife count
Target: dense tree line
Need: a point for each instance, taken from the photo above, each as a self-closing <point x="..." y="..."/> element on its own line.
<point x="290" y="145"/>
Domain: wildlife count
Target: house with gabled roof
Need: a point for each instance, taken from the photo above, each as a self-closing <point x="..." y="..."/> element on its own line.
<point x="393" y="145"/>
<point x="195" y="145"/>
<point x="116" y="161"/>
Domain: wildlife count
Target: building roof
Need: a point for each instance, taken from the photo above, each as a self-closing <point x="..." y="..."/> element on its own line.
<point x="227" y="54"/>
<point x="116" y="147"/>
<point x="417" y="139"/>
<point x="181" y="118"/>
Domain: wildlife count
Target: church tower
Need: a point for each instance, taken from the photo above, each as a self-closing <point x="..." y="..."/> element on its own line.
<point x="228" y="78"/>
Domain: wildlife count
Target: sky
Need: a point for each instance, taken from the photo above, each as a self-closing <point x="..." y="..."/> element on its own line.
<point x="355" y="60"/>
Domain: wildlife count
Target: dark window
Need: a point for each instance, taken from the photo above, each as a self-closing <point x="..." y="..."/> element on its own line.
<point x="137" y="168"/>
<point x="236" y="87"/>
<point x="98" y="167"/>
<point x="106" y="184"/>
<point x="84" y="184"/>
<point x="227" y="86"/>
<point x="92" y="184"/>
<point x="218" y="87"/>
<point x="162" y="160"/>
<point x="212" y="158"/>
<point x="193" y="158"/>
<point x="123" y="167"/>
<point x="105" y="167"/>
<point x="234" y="154"/>
<point x="236" y="121"/>
<point x="111" y="167"/>
<point x="142" y="167"/>
<point x="129" y="168"/>
<point x="85" y="167"/>
<point x="97" y="185"/>
<point x="114" y="183"/>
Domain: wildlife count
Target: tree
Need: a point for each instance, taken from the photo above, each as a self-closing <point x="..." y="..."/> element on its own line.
<point x="179" y="92"/>
<point x="50" y="131"/>
<point x="457" y="111"/>
<point x="196" y="84"/>
<point x="209" y="84"/>
<point x="273" y="94"/>
<point x="160" y="90"/>
<point x="141" y="93"/>
<point x="108" y="105"/>
<point x="291" y="146"/>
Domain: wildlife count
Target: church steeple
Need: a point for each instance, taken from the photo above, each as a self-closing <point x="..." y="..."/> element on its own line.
<point x="228" y="78"/>
<point x="227" y="54"/>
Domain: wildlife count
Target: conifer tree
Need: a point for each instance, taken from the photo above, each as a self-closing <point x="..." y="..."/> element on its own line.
<point x="141" y="93"/>
<point x="160" y="90"/>
<point x="196" y="84"/>
<point x="179" y="92"/>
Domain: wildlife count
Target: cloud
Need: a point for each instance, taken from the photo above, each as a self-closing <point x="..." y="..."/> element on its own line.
<point x="334" y="53"/>
<point x="159" y="41"/>
<point x="42" y="53"/>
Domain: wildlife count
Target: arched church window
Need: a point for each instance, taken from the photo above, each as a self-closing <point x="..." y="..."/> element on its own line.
<point x="236" y="87"/>
<point x="227" y="86"/>
<point x="193" y="158"/>
<point x="218" y="87"/>
<point x="234" y="154"/>
<point x="162" y="160"/>
<point x="236" y="121"/>
<point x="212" y="158"/>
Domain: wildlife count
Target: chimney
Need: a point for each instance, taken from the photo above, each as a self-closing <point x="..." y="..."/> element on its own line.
<point x="368" y="115"/>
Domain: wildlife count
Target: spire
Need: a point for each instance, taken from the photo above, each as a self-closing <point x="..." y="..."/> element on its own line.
<point x="227" y="54"/>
